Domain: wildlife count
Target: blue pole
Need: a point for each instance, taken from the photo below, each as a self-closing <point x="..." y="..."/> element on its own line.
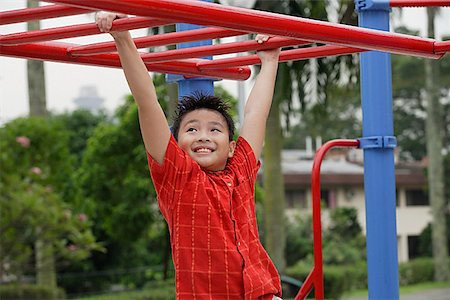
<point x="187" y="86"/>
<point x="379" y="170"/>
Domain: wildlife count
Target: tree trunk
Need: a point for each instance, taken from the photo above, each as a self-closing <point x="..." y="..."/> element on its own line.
<point x="36" y="77"/>
<point x="434" y="140"/>
<point x="274" y="227"/>
<point x="45" y="262"/>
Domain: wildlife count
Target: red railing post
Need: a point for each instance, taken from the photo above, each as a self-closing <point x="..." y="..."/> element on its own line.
<point x="315" y="277"/>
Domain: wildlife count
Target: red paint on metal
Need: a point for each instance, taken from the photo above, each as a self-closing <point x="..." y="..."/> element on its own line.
<point x="227" y="48"/>
<point x="286" y="55"/>
<point x="76" y="31"/>
<point x="315" y="277"/>
<point x="57" y="52"/>
<point x="418" y="3"/>
<point x="211" y="14"/>
<point x="39" y="13"/>
<point x="442" y="47"/>
<point x="158" y="40"/>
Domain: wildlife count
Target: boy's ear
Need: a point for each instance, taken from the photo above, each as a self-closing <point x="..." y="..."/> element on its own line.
<point x="231" y="149"/>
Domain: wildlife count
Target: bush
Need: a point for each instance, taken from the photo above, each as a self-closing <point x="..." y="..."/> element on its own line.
<point x="337" y="278"/>
<point x="29" y="292"/>
<point x="416" y="271"/>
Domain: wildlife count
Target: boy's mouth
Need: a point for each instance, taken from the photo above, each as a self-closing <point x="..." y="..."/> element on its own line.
<point x="203" y="150"/>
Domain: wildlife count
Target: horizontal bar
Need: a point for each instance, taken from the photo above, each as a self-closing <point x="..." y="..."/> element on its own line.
<point x="442" y="47"/>
<point x="57" y="52"/>
<point x="39" y="13"/>
<point x="158" y="40"/>
<point x="76" y="31"/>
<point x="227" y="48"/>
<point x="286" y="55"/>
<point x="418" y="3"/>
<point x="211" y="14"/>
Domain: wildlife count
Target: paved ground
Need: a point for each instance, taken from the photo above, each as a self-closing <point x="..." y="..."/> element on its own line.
<point x="431" y="294"/>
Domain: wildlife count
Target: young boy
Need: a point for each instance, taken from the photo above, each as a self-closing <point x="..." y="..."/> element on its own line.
<point x="205" y="181"/>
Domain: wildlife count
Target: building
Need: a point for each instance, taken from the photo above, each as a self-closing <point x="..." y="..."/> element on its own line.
<point x="342" y="180"/>
<point x="89" y="99"/>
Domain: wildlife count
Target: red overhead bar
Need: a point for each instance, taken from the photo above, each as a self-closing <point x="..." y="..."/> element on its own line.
<point x="442" y="47"/>
<point x="418" y="3"/>
<point x="211" y="14"/>
<point x="286" y="55"/>
<point x="158" y="40"/>
<point x="57" y="52"/>
<point x="76" y="31"/>
<point x="227" y="48"/>
<point x="39" y="13"/>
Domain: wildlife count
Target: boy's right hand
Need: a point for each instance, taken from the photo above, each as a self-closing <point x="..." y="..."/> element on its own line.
<point x="104" y="22"/>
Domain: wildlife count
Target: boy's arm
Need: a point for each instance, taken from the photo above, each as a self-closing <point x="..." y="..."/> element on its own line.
<point x="154" y="127"/>
<point x="260" y="99"/>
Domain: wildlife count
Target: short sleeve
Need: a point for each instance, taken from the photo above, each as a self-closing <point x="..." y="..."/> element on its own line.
<point x="244" y="161"/>
<point x="170" y="176"/>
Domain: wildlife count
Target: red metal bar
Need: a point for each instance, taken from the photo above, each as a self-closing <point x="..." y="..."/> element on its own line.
<point x="76" y="31"/>
<point x="442" y="47"/>
<point x="158" y="40"/>
<point x="211" y="14"/>
<point x="418" y="3"/>
<point x="307" y="286"/>
<point x="317" y="273"/>
<point x="39" y="13"/>
<point x="57" y="52"/>
<point x="235" y="47"/>
<point x="286" y="55"/>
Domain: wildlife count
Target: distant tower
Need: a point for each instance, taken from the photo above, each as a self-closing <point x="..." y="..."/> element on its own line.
<point x="89" y="99"/>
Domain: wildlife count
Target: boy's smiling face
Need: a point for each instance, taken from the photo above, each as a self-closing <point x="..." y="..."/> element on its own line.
<point x="204" y="136"/>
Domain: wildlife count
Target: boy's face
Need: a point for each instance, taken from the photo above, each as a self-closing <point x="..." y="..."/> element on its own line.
<point x="203" y="135"/>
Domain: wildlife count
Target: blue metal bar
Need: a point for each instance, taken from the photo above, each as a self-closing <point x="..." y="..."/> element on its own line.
<point x="187" y="86"/>
<point x="379" y="169"/>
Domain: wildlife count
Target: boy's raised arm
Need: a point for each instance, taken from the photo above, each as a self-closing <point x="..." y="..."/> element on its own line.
<point x="260" y="99"/>
<point x="153" y="123"/>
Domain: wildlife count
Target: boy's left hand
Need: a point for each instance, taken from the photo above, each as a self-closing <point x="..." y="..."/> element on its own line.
<point x="267" y="55"/>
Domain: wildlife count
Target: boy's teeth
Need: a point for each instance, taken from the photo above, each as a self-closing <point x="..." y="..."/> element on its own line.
<point x="203" y="150"/>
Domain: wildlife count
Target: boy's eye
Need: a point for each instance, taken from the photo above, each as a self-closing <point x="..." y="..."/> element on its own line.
<point x="215" y="129"/>
<point x="191" y="129"/>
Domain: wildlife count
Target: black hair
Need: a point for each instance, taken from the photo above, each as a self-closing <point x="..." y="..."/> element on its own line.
<point x="199" y="100"/>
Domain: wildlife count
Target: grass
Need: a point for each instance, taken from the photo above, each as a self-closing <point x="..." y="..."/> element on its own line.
<point x="165" y="291"/>
<point x="404" y="289"/>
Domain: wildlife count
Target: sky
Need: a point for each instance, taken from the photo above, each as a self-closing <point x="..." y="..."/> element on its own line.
<point x="64" y="81"/>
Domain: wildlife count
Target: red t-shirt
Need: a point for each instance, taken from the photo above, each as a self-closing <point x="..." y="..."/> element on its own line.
<point x="211" y="216"/>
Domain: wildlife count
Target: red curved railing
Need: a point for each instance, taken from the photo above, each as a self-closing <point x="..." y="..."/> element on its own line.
<point x="315" y="277"/>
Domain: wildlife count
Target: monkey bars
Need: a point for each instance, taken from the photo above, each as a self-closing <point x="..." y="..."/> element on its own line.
<point x="296" y="33"/>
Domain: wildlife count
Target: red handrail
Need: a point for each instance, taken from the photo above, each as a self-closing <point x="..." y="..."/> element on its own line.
<point x="315" y="277"/>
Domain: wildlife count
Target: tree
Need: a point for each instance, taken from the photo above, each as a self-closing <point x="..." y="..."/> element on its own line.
<point x="308" y="82"/>
<point x="434" y="137"/>
<point x="36" y="76"/>
<point x="36" y="164"/>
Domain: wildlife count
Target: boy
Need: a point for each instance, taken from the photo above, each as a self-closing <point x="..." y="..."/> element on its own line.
<point x="205" y="180"/>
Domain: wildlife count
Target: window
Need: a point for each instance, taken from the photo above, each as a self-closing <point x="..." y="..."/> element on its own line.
<point x="296" y="199"/>
<point x="417" y="197"/>
<point x="413" y="246"/>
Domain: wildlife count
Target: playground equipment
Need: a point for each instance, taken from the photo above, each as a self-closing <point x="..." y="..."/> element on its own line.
<point x="223" y="21"/>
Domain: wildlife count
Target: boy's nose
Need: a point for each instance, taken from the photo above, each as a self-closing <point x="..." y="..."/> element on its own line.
<point x="203" y="137"/>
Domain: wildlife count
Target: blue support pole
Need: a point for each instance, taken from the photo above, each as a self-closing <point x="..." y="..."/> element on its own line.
<point x="187" y="86"/>
<point x="379" y="168"/>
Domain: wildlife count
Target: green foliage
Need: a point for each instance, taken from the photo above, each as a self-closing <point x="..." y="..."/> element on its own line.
<point x="337" y="279"/>
<point x="29" y="292"/>
<point x="80" y="125"/>
<point x="299" y="240"/>
<point x="343" y="242"/>
<point x="36" y="167"/>
<point x="417" y="271"/>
